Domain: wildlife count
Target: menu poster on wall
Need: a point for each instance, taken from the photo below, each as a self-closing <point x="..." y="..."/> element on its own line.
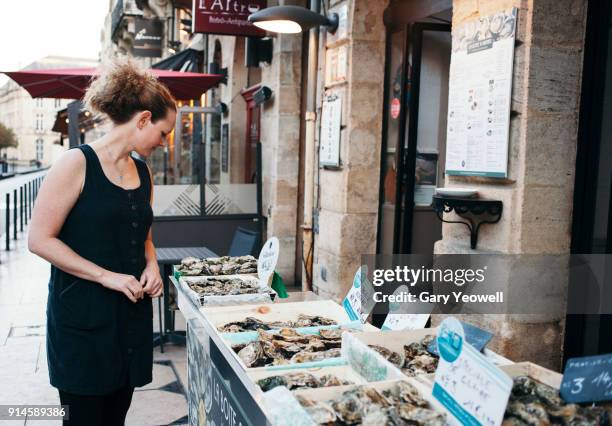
<point x="331" y="117"/>
<point x="480" y="88"/>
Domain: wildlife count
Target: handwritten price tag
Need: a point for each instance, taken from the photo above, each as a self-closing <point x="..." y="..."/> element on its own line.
<point x="471" y="388"/>
<point x="266" y="262"/>
<point x="358" y="292"/>
<point x="403" y="321"/>
<point x="587" y="379"/>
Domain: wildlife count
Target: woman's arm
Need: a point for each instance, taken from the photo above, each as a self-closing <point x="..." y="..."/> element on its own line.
<point x="56" y="198"/>
<point x="151" y="279"/>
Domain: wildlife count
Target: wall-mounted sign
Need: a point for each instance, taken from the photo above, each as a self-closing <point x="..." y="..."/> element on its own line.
<point x="331" y="117"/>
<point x="480" y="86"/>
<point x="228" y="17"/>
<point x="148" y="37"/>
<point x="336" y="64"/>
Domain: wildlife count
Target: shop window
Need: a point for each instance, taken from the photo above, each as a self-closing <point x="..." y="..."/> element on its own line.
<point x="58" y="103"/>
<point x="40" y="149"/>
<point x="38" y="124"/>
<point x="187" y="174"/>
<point x="39" y="103"/>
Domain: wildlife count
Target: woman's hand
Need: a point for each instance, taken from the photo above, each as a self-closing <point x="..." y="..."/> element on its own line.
<point x="151" y="280"/>
<point x="123" y="283"/>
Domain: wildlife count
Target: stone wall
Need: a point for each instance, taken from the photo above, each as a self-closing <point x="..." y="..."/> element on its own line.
<point x="537" y="195"/>
<point x="280" y="138"/>
<point x="348" y="199"/>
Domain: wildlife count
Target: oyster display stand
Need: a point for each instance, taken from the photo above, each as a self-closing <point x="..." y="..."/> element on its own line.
<point x="212" y="365"/>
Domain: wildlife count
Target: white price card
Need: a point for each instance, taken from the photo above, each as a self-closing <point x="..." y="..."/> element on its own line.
<point x="360" y="290"/>
<point x="469" y="386"/>
<point x="266" y="262"/>
<point x="402" y="321"/>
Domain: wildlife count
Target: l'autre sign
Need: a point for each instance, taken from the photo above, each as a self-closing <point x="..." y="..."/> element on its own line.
<point x="229" y="17"/>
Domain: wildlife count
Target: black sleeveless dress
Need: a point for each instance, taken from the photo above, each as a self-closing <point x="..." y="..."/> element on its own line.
<point x="97" y="339"/>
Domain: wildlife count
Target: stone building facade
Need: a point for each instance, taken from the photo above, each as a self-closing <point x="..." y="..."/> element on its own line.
<point x="537" y="195"/>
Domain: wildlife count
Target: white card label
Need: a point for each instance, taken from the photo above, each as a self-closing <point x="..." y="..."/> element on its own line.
<point x="471" y="388"/>
<point x="352" y="301"/>
<point x="266" y="263"/>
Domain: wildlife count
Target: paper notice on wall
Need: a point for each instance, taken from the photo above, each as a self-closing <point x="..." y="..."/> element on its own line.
<point x="480" y="90"/>
<point x="469" y="386"/>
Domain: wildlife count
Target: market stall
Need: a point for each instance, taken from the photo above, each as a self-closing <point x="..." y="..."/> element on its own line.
<point x="303" y="360"/>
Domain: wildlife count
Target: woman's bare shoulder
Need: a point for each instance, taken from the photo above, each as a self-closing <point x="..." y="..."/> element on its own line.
<point x="68" y="168"/>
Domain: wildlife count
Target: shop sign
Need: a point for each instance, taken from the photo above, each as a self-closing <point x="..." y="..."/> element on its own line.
<point x="148" y="37"/>
<point x="469" y="386"/>
<point x="226" y="17"/>
<point x="587" y="379"/>
<point x="479" y="96"/>
<point x="268" y="257"/>
<point x="331" y="117"/>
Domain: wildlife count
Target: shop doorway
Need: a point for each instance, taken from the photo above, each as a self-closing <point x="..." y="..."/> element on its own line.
<point x="592" y="213"/>
<point x="414" y="133"/>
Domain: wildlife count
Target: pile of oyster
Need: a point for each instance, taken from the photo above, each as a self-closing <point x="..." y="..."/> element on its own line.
<point x="252" y="324"/>
<point x="287" y="346"/>
<point x="300" y="380"/>
<point x="225" y="286"/>
<point x="400" y="405"/>
<point x="534" y="403"/>
<point x="416" y="359"/>
<point x="225" y="265"/>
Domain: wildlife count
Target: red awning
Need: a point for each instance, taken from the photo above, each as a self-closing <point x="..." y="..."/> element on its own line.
<point x="71" y="83"/>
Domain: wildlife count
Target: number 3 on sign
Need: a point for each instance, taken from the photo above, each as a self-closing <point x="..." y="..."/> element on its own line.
<point x="577" y="388"/>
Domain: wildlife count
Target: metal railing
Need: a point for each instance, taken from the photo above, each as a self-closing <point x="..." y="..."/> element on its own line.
<point x="18" y="203"/>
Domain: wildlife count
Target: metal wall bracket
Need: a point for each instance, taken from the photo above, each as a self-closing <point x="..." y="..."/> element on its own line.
<point x="476" y="211"/>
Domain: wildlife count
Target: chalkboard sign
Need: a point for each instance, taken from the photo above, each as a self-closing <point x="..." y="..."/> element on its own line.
<point x="477" y="337"/>
<point x="587" y="379"/>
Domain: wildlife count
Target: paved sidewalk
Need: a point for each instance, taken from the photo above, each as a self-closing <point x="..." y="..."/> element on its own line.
<point x="24" y="375"/>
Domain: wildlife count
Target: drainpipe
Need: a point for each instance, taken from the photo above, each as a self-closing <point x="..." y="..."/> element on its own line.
<point x="309" y="151"/>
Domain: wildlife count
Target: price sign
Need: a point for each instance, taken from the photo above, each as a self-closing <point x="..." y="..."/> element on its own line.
<point x="477" y="337"/>
<point x="399" y="321"/>
<point x="266" y="263"/>
<point x="361" y="290"/>
<point x="471" y="388"/>
<point x="587" y="379"/>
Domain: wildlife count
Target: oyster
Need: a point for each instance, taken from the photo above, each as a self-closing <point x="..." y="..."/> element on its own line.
<point x="225" y="265"/>
<point x="251" y="324"/>
<point x="532" y="402"/>
<point x="253" y="354"/>
<point x="271" y="382"/>
<point x="391" y="356"/>
<point x="367" y="406"/>
<point x="223" y="286"/>
<point x="287" y="345"/>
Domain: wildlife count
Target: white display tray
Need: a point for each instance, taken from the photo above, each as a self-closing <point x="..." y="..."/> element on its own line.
<point x="239" y="299"/>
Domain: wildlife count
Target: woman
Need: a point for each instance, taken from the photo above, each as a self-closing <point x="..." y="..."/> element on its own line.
<point x="92" y="223"/>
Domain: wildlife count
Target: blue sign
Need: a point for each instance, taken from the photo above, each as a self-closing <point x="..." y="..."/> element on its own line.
<point x="587" y="379"/>
<point x="477" y="337"/>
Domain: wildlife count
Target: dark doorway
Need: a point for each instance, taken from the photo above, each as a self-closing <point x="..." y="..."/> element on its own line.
<point x="414" y="133"/>
<point x="592" y="214"/>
